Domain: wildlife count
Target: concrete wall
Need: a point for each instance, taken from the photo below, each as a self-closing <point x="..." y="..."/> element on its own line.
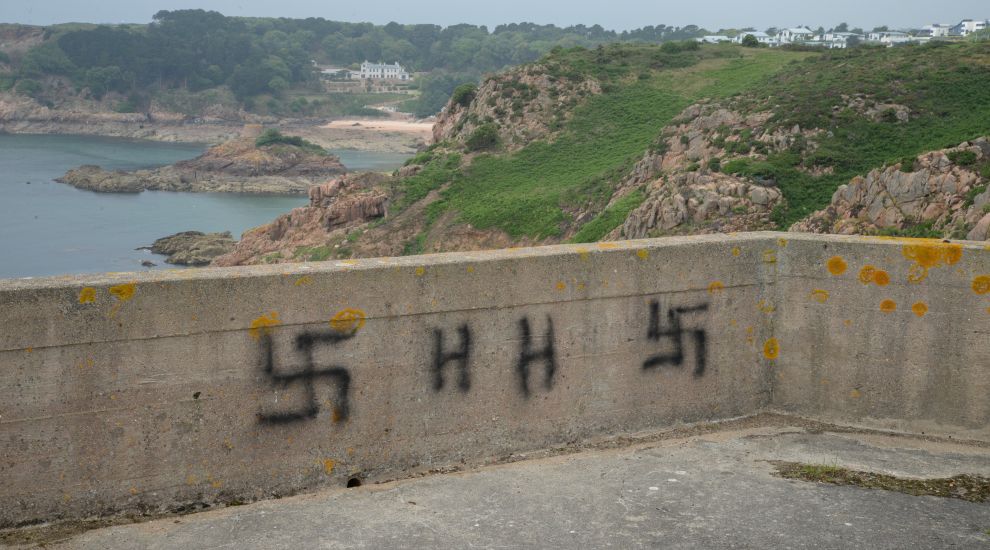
<point x="899" y="339"/>
<point x="156" y="390"/>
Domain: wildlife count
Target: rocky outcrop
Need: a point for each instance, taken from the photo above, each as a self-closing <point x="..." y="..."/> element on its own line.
<point x="694" y="202"/>
<point x="949" y="198"/>
<point x="193" y="247"/>
<point x="524" y="104"/>
<point x="340" y="204"/>
<point x="236" y="166"/>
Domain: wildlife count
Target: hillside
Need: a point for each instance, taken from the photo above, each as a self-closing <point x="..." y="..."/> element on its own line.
<point x="633" y="141"/>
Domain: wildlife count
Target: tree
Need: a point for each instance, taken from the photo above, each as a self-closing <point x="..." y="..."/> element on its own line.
<point x="842" y="27"/>
<point x="750" y="41"/>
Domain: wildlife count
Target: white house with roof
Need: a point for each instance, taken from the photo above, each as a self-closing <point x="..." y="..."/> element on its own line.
<point x="381" y="71"/>
<point x="795" y="35"/>
<point x="890" y="37"/>
<point x="713" y="39"/>
<point x="937" y="30"/>
<point x="761" y="37"/>
<point x="839" y="40"/>
<point x="967" y="27"/>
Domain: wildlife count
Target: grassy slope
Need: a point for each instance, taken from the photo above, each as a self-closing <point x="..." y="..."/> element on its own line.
<point x="529" y="193"/>
<point x="947" y="88"/>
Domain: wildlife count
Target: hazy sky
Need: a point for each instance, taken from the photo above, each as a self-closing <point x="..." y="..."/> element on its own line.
<point x="611" y="14"/>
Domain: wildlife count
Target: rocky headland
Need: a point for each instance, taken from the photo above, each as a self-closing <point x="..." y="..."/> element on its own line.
<point x="938" y="194"/>
<point x="193" y="248"/>
<point x="238" y="166"/>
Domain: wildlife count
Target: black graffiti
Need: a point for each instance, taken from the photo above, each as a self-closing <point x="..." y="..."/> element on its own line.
<point x="675" y="331"/>
<point x="461" y="357"/>
<point x="527" y="355"/>
<point x="307" y="376"/>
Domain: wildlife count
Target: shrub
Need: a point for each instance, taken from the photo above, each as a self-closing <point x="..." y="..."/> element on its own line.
<point x="272" y="136"/>
<point x="907" y="164"/>
<point x="29" y="87"/>
<point x="750" y="41"/>
<point x="483" y="137"/>
<point x="464" y="94"/>
<point x="963" y="158"/>
<point x="715" y="164"/>
<point x="685" y="140"/>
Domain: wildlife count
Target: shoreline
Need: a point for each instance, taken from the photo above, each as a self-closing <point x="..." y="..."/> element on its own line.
<point x="330" y="135"/>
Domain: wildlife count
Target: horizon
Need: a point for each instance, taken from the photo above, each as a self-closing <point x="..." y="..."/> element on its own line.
<point x="624" y="15"/>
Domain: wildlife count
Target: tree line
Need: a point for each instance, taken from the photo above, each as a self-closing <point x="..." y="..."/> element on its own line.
<point x="196" y="50"/>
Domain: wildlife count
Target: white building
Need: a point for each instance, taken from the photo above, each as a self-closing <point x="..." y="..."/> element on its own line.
<point x="967" y="27"/>
<point x="381" y="71"/>
<point x="937" y="30"/>
<point x="839" y="40"/>
<point x="761" y="37"/>
<point x="713" y="39"/>
<point x="890" y="38"/>
<point x="795" y="35"/>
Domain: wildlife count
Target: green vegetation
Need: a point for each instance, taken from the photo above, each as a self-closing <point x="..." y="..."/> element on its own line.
<point x="313" y="253"/>
<point x="611" y="218"/>
<point x="197" y="50"/>
<point x="435" y="173"/>
<point x="484" y="137"/>
<point x="946" y="87"/>
<point x="915" y="230"/>
<point x="970" y="488"/>
<point x="464" y="94"/>
<point x="750" y="41"/>
<point x="531" y="192"/>
<point x="962" y="158"/>
<point x="272" y="136"/>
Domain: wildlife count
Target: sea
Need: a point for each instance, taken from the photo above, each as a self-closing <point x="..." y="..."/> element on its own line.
<point x="49" y="228"/>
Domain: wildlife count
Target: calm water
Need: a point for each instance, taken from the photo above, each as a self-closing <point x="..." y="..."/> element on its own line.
<point x="49" y="228"/>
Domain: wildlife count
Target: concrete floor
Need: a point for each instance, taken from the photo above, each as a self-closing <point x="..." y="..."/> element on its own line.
<point x="707" y="491"/>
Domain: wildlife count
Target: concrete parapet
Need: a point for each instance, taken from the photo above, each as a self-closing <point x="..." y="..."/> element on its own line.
<point x="151" y="391"/>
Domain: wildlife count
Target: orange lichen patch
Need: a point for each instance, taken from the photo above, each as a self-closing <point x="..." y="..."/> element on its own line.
<point x="123" y="292"/>
<point x="837" y="266"/>
<point x="736" y="251"/>
<point x="716" y="287"/>
<point x="820" y="296"/>
<point x="262" y="325"/>
<point x="134" y="490"/>
<point x="87" y="295"/>
<point x="771" y="349"/>
<point x="561" y="285"/>
<point x="470" y="269"/>
<point x="420" y="271"/>
<point x="782" y="242"/>
<point x="87" y="364"/>
<point x="855" y="394"/>
<point x="920" y="309"/>
<point x="328" y="464"/>
<point x="888" y="306"/>
<point x="928" y="254"/>
<point x="981" y="284"/>
<point x="643" y="253"/>
<point x="847" y="322"/>
<point x="336" y="416"/>
<point x="766" y="307"/>
<point x="304" y="280"/>
<point x="583" y="254"/>
<point x="348" y="320"/>
<point x="191" y="480"/>
<point x="607" y="246"/>
<point x="769" y="256"/>
<point x="866" y="274"/>
<point x="29" y="350"/>
<point x="881" y="278"/>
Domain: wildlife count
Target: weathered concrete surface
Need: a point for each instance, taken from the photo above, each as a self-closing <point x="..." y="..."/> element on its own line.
<point x="899" y="340"/>
<point x="146" y="392"/>
<point x="709" y="491"/>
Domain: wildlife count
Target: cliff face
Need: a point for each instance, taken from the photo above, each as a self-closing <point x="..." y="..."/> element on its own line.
<point x="524" y="105"/>
<point x="942" y="192"/>
<point x="236" y="166"/>
<point x="304" y="233"/>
